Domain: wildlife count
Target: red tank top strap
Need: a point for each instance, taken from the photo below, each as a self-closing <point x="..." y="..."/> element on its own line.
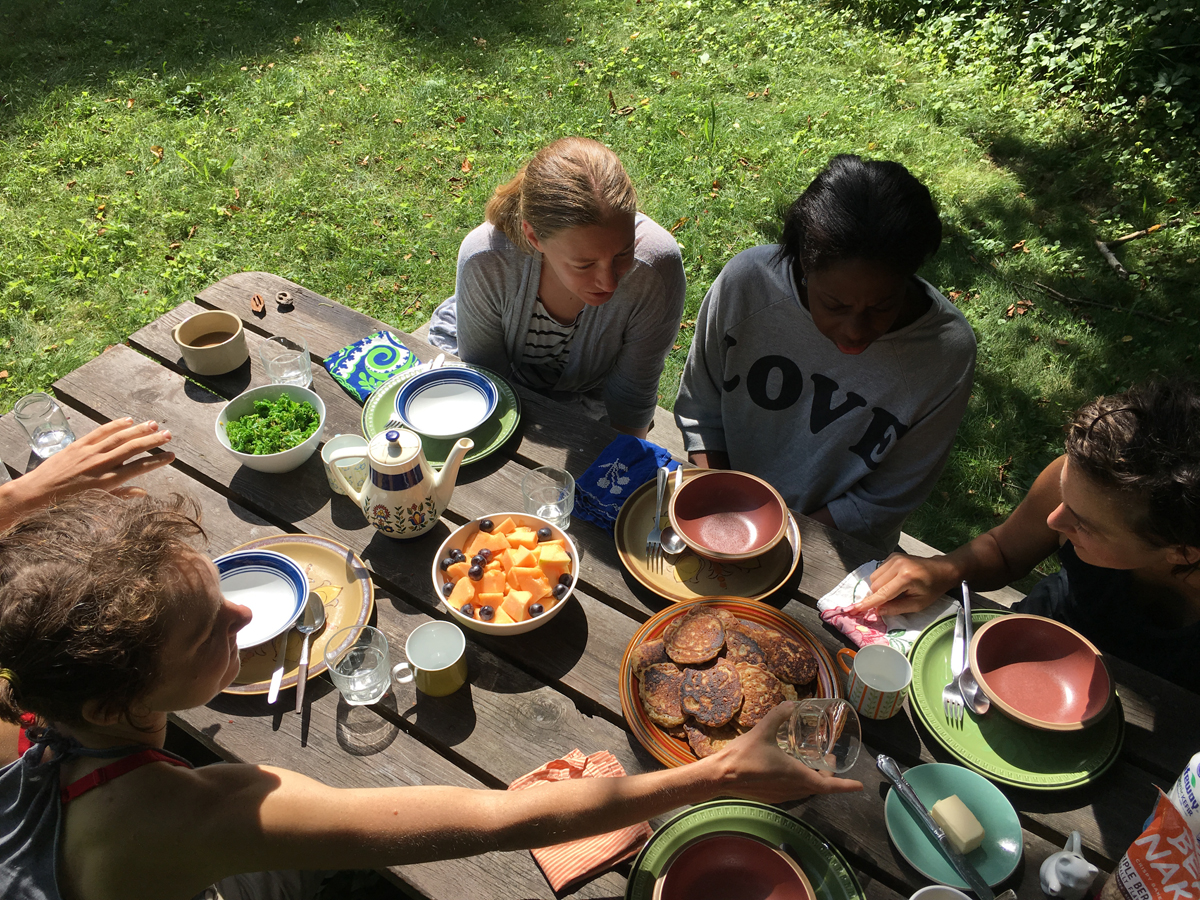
<point x="122" y="766"/>
<point x="28" y="720"/>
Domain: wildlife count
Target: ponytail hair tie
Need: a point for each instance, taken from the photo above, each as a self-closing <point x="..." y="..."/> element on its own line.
<point x="11" y="677"/>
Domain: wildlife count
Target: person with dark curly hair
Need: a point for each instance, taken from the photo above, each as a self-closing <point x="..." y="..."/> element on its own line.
<point x="1122" y="509"/>
<point x="110" y="619"/>
<point x="825" y="365"/>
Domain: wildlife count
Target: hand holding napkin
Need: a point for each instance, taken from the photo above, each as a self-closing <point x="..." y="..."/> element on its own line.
<point x="620" y="469"/>
<point x="366" y="364"/>
<point x="870" y="627"/>
<point x="575" y="860"/>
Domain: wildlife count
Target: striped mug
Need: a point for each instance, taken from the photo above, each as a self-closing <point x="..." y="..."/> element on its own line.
<point x="877" y="677"/>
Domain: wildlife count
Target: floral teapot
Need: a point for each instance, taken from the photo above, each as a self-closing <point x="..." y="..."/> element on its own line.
<point x="402" y="496"/>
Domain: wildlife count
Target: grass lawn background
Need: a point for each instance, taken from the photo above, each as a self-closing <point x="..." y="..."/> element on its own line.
<point x="149" y="149"/>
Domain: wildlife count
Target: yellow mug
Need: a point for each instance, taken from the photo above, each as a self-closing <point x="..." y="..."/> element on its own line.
<point x="437" y="659"/>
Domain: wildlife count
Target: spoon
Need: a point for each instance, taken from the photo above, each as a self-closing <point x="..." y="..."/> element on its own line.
<point x="972" y="693"/>
<point x="313" y="620"/>
<point x="672" y="543"/>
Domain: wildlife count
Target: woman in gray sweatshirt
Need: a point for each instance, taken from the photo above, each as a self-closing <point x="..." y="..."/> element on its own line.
<point x="567" y="288"/>
<point x="825" y="365"/>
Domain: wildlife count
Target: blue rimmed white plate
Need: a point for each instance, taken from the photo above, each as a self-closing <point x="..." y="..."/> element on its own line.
<point x="272" y="586"/>
<point x="446" y="403"/>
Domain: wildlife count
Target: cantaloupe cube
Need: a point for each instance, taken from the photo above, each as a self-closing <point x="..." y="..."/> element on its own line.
<point x="505" y="527"/>
<point x="492" y="600"/>
<point x="511" y="579"/>
<point x="516" y="604"/>
<point x="521" y="557"/>
<point x="458" y="571"/>
<point x="553" y="553"/>
<point x="523" y="537"/>
<point x="553" y="570"/>
<point x="502" y="618"/>
<point x="494" y="566"/>
<point x="464" y="592"/>
<point x="556" y="542"/>
<point x="492" y="583"/>
<point x="533" y="581"/>
<point x="497" y="543"/>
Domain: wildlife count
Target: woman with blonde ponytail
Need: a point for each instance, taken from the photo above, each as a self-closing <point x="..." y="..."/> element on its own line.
<point x="567" y="288"/>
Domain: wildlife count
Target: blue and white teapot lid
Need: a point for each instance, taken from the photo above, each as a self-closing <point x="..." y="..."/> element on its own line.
<point x="392" y="448"/>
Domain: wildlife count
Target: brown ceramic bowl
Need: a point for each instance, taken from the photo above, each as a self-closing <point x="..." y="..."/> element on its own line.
<point x="1041" y="673"/>
<point x="728" y="516"/>
<point x="732" y="867"/>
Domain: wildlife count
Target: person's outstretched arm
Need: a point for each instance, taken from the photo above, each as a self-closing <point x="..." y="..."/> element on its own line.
<point x="1007" y="552"/>
<point x="103" y="458"/>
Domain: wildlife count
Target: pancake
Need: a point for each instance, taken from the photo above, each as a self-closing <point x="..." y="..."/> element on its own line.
<point x="787" y="658"/>
<point x="706" y="741"/>
<point x="728" y="619"/>
<point x="740" y="647"/>
<point x="694" y="637"/>
<point x="711" y="696"/>
<point x="647" y="654"/>
<point x="659" y="691"/>
<point x="761" y="691"/>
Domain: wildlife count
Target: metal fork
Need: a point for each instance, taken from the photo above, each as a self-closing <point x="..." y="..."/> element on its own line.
<point x="396" y="421"/>
<point x="952" y="698"/>
<point x="654" y="557"/>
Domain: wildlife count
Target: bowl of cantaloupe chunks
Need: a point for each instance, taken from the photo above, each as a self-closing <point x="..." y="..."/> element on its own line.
<point x="506" y="573"/>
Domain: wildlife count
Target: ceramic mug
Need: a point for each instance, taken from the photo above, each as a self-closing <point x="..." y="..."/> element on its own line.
<point x="212" y="343"/>
<point x="437" y="659"/>
<point x="938" y="892"/>
<point x="878" y="677"/>
<point x="354" y="468"/>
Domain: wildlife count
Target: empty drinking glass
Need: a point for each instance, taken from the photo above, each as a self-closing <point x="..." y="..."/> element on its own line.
<point x="550" y="494"/>
<point x="44" y="422"/>
<point x="286" y="361"/>
<point x="824" y="734"/>
<point x="359" y="664"/>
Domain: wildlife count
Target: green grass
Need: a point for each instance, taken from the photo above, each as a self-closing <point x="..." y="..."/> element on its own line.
<point x="148" y="150"/>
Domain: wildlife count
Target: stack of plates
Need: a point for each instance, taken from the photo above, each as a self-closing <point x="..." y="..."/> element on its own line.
<point x="488" y="437"/>
<point x="994" y="745"/>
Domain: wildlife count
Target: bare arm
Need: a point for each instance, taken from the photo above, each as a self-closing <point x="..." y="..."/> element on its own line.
<point x="995" y="558"/>
<point x="102" y="459"/>
<point x="709" y="459"/>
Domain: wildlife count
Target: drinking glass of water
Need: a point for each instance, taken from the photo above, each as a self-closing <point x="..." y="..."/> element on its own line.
<point x="550" y="494"/>
<point x="359" y="665"/>
<point x="286" y="361"/>
<point x="44" y="422"/>
<point x="824" y="734"/>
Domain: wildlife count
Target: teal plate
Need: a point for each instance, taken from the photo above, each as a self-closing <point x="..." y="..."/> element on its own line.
<point x="1003" y="843"/>
<point x="994" y="745"/>
<point x="827" y="870"/>
<point x="488" y="437"/>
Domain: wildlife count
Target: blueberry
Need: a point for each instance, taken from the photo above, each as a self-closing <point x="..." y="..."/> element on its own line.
<point x="486" y="613"/>
<point x="467" y="610"/>
<point x="535" y="609"/>
<point x="447" y="588"/>
<point x="476" y="572"/>
<point x="565" y="579"/>
<point x="485" y="554"/>
<point x="544" y="534"/>
<point x="458" y="555"/>
<point x="560" y="591"/>
<point x="446" y="563"/>
<point x="487" y="525"/>
<point x="478" y="560"/>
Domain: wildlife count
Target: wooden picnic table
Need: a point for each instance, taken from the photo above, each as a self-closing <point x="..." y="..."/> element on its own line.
<point x="533" y="697"/>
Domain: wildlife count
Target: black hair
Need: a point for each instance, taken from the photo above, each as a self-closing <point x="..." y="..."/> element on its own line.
<point x="861" y="209"/>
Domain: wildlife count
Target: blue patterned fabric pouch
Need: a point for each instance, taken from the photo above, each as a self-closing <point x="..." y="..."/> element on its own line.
<point x="620" y="469"/>
<point x="367" y="364"/>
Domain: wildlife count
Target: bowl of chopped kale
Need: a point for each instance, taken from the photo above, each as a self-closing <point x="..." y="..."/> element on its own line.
<point x="273" y="428"/>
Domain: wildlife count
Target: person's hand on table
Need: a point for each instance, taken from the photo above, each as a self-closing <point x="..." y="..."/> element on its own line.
<point x="757" y="769"/>
<point x="905" y="584"/>
<point x="102" y="459"/>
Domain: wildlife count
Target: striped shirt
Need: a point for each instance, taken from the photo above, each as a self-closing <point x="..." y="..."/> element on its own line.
<point x="547" y="349"/>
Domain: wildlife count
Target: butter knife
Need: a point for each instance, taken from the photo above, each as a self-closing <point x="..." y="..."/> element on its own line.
<point x="958" y="652"/>
<point x="891" y="771"/>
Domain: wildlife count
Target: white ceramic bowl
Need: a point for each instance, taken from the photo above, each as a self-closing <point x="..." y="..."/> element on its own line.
<point x="272" y="586"/>
<point x="461" y="537"/>
<point x="287" y="460"/>
<point x="446" y="403"/>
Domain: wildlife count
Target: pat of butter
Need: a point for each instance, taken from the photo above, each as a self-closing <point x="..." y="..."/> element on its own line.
<point x="959" y="823"/>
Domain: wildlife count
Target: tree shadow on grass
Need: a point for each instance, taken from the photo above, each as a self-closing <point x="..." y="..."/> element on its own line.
<point x="80" y="44"/>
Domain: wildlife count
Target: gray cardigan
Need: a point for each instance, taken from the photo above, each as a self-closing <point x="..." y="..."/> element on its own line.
<point x="619" y="348"/>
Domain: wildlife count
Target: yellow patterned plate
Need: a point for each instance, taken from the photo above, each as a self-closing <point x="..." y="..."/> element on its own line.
<point x="692" y="576"/>
<point x="337" y="574"/>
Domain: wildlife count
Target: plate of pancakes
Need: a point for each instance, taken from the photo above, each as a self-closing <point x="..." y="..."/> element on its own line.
<point x="698" y="674"/>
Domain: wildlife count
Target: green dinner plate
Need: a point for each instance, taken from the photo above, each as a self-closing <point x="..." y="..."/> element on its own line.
<point x="827" y="870"/>
<point x="488" y="437"/>
<point x="1003" y="843"/>
<point x="994" y="745"/>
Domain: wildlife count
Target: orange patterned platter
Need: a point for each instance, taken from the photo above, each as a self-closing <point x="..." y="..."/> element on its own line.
<point x="343" y="583"/>
<point x="671" y="751"/>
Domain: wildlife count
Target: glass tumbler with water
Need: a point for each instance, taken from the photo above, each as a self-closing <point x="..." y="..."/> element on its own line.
<point x="550" y="494"/>
<point x="359" y="664"/>
<point x="44" y="422"/>
<point x="286" y="361"/>
<point x="822" y="733"/>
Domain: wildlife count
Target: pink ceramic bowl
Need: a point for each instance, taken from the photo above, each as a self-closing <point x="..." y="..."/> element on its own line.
<point x="728" y="516"/>
<point x="732" y="867"/>
<point x="1041" y="673"/>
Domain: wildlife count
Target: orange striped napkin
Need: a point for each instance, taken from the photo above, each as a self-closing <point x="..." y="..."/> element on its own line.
<point x="574" y="860"/>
